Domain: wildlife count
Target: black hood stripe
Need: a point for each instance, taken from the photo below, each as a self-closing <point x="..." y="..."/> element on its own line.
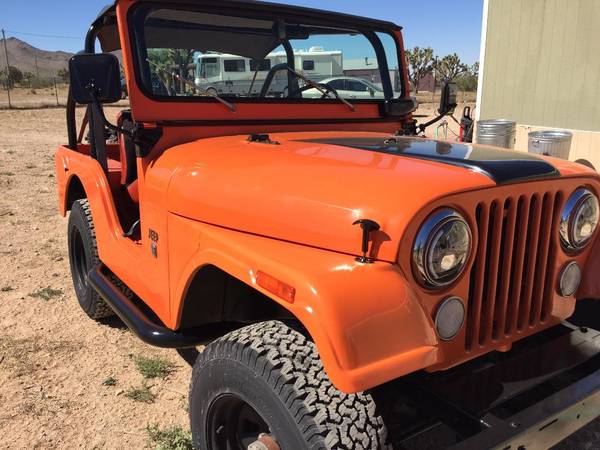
<point x="502" y="166"/>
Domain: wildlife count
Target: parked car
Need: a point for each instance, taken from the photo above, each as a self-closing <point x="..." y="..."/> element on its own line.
<point x="349" y="87"/>
<point x="357" y="286"/>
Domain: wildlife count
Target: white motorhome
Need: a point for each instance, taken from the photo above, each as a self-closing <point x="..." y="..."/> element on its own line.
<point x="220" y="73"/>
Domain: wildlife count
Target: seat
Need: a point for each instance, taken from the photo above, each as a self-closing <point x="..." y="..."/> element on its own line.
<point x="128" y="165"/>
<point x="127" y="150"/>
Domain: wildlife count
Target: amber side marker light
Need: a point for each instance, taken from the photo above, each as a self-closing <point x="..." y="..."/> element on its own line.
<point x="277" y="287"/>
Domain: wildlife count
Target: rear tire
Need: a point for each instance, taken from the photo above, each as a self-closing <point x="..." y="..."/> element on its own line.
<point x="83" y="257"/>
<point x="268" y="379"/>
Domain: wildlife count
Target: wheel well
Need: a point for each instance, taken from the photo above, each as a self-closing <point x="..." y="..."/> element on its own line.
<point x="214" y="296"/>
<point x="75" y="191"/>
<point x="586" y="163"/>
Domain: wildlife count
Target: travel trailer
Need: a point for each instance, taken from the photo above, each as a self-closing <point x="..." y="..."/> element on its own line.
<point x="221" y="73"/>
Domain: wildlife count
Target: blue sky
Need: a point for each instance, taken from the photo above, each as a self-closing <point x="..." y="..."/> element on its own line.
<point x="446" y="26"/>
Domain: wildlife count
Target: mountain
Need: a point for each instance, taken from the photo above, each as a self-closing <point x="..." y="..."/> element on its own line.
<point x="23" y="56"/>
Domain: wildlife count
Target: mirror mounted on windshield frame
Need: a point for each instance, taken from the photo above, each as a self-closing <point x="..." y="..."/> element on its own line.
<point x="448" y="100"/>
<point x="400" y="107"/>
<point x="448" y="103"/>
<point x="95" y="75"/>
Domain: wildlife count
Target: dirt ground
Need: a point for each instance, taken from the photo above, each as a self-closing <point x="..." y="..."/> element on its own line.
<point x="30" y="98"/>
<point x="57" y="367"/>
<point x="53" y="359"/>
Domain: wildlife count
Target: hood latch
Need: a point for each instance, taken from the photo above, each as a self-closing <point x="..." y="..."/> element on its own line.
<point x="262" y="139"/>
<point x="367" y="227"/>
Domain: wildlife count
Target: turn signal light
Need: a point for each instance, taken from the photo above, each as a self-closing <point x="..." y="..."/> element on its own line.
<point x="277" y="287"/>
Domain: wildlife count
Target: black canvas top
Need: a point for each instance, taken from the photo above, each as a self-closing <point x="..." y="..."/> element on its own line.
<point x="336" y="17"/>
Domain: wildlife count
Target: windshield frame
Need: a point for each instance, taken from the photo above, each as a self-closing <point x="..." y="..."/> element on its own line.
<point x="139" y="11"/>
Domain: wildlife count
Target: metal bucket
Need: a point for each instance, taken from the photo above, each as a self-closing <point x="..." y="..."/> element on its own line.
<point x="551" y="143"/>
<point x="497" y="132"/>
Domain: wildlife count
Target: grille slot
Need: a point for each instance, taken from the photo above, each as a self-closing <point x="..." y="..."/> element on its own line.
<point x="511" y="279"/>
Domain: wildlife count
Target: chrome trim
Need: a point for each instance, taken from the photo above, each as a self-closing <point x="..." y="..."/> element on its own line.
<point x="423" y="242"/>
<point x="440" y="309"/>
<point x="562" y="274"/>
<point x="567" y="220"/>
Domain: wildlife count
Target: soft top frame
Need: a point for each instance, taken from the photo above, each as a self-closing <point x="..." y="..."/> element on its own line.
<point x="107" y="14"/>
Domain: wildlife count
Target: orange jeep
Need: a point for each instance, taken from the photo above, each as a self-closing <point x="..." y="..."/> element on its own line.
<point x="361" y="286"/>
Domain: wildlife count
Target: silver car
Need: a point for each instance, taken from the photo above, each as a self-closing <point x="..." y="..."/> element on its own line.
<point x="350" y="88"/>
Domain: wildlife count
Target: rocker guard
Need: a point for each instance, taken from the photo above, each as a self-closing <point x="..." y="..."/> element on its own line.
<point x="139" y="322"/>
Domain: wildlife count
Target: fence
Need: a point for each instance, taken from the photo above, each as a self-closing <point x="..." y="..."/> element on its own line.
<point x="31" y="78"/>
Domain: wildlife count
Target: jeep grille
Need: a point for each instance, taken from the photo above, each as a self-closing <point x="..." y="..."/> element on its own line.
<point x="512" y="276"/>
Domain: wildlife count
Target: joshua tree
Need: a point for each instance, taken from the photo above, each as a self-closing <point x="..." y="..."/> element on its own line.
<point x="419" y="63"/>
<point x="449" y="67"/>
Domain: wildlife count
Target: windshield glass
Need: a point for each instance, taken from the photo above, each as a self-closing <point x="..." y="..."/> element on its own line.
<point x="183" y="53"/>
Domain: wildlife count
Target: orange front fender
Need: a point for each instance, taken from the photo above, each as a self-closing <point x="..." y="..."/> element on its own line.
<point x="365" y="320"/>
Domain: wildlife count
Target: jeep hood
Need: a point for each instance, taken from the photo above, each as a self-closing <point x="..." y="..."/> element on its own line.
<point x="310" y="188"/>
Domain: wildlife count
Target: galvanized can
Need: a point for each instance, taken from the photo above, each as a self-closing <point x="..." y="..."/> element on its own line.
<point x="497" y="132"/>
<point x="551" y="143"/>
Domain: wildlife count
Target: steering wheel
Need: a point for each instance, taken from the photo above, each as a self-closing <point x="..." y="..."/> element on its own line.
<point x="270" y="77"/>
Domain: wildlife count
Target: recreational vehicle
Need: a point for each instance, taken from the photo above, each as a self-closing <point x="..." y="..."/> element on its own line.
<point x="222" y="74"/>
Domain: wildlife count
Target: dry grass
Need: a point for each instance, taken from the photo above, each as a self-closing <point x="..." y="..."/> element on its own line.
<point x="172" y="438"/>
<point x="53" y="358"/>
<point x="141" y="394"/>
<point x="25" y="98"/>
<point x="426" y="98"/>
<point x="110" y="381"/>
<point x="47" y="293"/>
<point x="153" y="367"/>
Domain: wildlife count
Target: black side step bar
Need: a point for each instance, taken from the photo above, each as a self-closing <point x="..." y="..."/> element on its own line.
<point x="147" y="330"/>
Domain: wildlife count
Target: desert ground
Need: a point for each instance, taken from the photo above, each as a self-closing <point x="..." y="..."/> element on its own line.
<point x="66" y="381"/>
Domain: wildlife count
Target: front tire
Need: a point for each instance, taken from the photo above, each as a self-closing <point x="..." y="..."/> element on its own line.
<point x="267" y="379"/>
<point x="83" y="257"/>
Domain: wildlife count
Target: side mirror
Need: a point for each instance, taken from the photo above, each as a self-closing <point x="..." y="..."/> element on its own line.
<point x="95" y="75"/>
<point x="400" y="107"/>
<point x="448" y="100"/>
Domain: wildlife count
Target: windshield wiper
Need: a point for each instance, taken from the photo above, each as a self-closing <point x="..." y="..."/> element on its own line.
<point x="193" y="85"/>
<point x="321" y="89"/>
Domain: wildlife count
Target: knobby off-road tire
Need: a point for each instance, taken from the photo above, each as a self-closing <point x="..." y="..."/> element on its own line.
<point x="277" y="372"/>
<point x="83" y="256"/>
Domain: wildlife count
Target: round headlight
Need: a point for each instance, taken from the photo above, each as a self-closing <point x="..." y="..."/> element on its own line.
<point x="449" y="318"/>
<point x="442" y="248"/>
<point x="579" y="219"/>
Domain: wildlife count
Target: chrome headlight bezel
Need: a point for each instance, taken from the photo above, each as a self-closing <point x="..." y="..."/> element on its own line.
<point x="569" y="216"/>
<point x="423" y="245"/>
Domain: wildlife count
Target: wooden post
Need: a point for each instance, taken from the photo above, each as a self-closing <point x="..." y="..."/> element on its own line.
<point x="7" y="70"/>
<point x="434" y="79"/>
<point x="55" y="91"/>
<point x="37" y="69"/>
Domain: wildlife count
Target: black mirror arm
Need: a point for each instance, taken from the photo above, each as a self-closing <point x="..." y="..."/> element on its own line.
<point x="98" y="110"/>
<point x="424" y="126"/>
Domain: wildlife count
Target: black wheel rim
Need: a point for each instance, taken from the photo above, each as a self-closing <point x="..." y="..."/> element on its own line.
<point x="233" y="424"/>
<point x="79" y="261"/>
